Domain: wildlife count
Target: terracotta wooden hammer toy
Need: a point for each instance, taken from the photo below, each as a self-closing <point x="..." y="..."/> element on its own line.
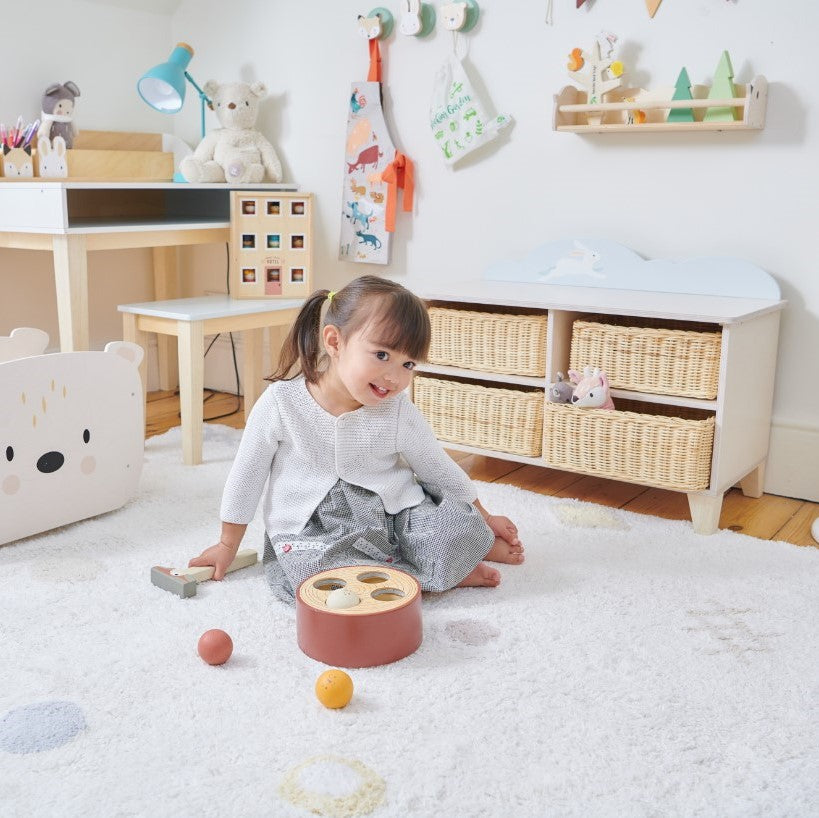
<point x="183" y="581"/>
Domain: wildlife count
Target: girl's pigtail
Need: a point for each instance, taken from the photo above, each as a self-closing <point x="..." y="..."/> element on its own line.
<point x="302" y="346"/>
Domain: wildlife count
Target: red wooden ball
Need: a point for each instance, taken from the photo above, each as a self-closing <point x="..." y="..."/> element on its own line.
<point x="215" y="646"/>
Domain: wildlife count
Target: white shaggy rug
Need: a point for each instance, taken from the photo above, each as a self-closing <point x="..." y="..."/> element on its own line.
<point x="629" y="668"/>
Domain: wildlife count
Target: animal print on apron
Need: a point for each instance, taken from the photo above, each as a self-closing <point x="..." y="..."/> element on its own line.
<point x="369" y="150"/>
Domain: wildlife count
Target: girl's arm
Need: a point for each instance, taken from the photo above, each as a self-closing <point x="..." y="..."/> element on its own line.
<point x="501" y="526"/>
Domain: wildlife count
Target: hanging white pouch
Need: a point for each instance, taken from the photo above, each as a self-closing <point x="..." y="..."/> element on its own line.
<point x="458" y="118"/>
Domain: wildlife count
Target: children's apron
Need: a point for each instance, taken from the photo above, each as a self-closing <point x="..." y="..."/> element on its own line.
<point x="373" y="172"/>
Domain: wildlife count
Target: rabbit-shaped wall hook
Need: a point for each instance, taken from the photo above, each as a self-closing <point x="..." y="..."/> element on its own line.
<point x="52" y="157"/>
<point x="417" y="18"/>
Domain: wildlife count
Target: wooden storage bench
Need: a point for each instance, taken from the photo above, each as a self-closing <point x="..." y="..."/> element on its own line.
<point x="689" y="347"/>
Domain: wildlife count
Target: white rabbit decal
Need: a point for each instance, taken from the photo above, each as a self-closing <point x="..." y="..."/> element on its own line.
<point x="52" y="157"/>
<point x="580" y="261"/>
<point x="411" y="23"/>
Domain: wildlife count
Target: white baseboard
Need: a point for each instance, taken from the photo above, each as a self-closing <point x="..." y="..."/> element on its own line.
<point x="793" y="463"/>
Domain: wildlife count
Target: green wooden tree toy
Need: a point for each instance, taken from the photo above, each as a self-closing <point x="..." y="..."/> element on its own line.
<point x="722" y="88"/>
<point x="682" y="90"/>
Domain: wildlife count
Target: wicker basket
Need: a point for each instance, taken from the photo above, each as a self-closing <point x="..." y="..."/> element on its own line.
<point x="505" y="420"/>
<point x="662" y="359"/>
<point x="651" y="449"/>
<point x="489" y="341"/>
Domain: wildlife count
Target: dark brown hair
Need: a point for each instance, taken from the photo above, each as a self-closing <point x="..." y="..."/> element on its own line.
<point x="398" y="320"/>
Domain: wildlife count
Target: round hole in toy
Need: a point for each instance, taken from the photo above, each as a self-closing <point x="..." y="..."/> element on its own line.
<point x="387" y="594"/>
<point x="329" y="584"/>
<point x="372" y="577"/>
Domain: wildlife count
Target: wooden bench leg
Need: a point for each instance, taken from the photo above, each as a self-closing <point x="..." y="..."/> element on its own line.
<point x="752" y="482"/>
<point x="191" y="339"/>
<point x="705" y="511"/>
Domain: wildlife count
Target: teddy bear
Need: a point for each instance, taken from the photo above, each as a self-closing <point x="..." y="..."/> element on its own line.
<point x="236" y="152"/>
<point x="57" y="117"/>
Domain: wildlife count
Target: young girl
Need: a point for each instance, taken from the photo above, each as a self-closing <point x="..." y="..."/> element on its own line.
<point x="354" y="473"/>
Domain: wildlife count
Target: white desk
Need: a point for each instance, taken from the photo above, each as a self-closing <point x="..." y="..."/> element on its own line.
<point x="71" y="219"/>
<point x="190" y="319"/>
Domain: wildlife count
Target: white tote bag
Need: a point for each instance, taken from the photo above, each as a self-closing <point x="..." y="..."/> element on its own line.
<point x="458" y="118"/>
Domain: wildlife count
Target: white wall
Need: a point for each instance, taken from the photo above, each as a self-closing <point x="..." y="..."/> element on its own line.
<point x="749" y="194"/>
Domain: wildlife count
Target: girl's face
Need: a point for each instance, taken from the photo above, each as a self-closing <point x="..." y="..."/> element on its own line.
<point x="367" y="371"/>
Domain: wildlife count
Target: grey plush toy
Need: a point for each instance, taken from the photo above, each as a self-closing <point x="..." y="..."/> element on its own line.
<point x="561" y="390"/>
<point x="57" y="117"/>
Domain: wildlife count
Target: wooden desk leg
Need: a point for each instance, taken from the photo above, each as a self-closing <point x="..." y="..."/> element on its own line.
<point x="71" y="280"/>
<point x="191" y="339"/>
<point x="166" y="286"/>
<point x="251" y="367"/>
<point x="705" y="511"/>
<point x="131" y="332"/>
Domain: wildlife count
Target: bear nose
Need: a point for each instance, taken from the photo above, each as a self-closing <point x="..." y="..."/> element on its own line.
<point x="50" y="462"/>
<point x="231" y="105"/>
<point x="575" y="399"/>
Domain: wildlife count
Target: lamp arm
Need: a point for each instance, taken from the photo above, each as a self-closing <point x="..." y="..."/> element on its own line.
<point x="203" y="98"/>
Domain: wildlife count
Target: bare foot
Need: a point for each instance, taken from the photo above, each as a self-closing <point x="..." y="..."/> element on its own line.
<point x="481" y="575"/>
<point x="502" y="551"/>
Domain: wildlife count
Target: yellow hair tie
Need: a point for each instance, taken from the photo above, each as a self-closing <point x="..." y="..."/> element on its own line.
<point x="330" y="295"/>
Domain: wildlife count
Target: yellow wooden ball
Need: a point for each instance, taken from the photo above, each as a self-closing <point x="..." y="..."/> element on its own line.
<point x="334" y="688"/>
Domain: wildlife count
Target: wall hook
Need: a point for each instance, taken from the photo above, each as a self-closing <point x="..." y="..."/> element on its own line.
<point x="377" y="25"/>
<point x="417" y="18"/>
<point x="460" y="16"/>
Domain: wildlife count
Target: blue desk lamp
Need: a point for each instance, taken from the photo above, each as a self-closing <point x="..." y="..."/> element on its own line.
<point x="163" y="86"/>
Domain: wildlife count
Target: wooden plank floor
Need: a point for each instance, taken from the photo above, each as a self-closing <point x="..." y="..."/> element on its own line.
<point x="769" y="517"/>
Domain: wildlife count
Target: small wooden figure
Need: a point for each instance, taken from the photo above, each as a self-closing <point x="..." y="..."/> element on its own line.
<point x="593" y="79"/>
<point x="722" y="88"/>
<point x="682" y="90"/>
<point x="381" y="626"/>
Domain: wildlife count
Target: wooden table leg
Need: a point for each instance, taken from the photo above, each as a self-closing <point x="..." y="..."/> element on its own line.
<point x="131" y="332"/>
<point x="251" y="367"/>
<point x="71" y="280"/>
<point x="166" y="286"/>
<point x="191" y="339"/>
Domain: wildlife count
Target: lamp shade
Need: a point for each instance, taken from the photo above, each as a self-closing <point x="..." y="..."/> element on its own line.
<point x="163" y="86"/>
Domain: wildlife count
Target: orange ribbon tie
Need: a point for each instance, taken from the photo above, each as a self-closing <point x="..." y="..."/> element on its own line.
<point x="398" y="174"/>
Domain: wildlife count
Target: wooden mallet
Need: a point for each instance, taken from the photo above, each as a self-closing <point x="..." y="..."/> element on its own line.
<point x="183" y="581"/>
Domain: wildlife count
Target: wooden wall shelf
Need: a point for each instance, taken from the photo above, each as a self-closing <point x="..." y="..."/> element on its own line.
<point x="571" y="109"/>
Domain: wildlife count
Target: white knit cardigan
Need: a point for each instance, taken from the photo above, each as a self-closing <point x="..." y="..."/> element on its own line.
<point x="300" y="451"/>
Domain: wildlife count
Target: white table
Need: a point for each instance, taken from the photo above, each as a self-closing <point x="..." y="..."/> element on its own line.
<point x="70" y="219"/>
<point x="190" y="320"/>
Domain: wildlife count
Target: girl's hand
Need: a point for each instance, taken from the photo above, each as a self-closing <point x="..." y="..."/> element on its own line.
<point x="504" y="528"/>
<point x="220" y="556"/>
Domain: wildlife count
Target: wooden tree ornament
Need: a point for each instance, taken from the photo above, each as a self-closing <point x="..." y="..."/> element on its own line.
<point x="722" y="88"/>
<point x="593" y="79"/>
<point x="652" y="6"/>
<point x="682" y="90"/>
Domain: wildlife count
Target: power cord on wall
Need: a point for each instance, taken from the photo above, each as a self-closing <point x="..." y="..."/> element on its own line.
<point x="212" y="392"/>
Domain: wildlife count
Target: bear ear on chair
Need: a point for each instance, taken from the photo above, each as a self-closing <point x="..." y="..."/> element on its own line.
<point x="23" y="343"/>
<point x="132" y="353"/>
